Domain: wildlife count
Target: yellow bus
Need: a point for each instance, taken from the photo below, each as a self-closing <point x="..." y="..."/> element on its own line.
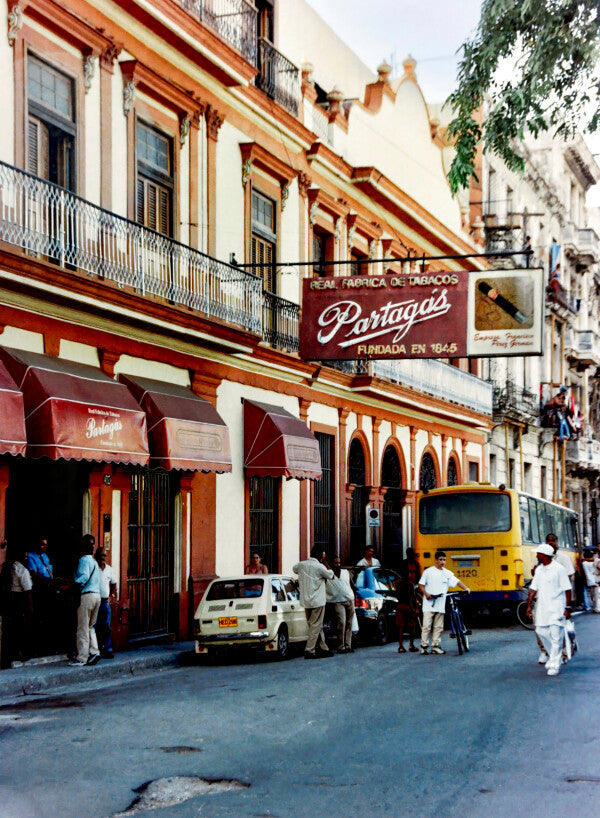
<point x="489" y="535"/>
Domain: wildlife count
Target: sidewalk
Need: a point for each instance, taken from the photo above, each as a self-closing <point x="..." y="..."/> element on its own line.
<point x="28" y="680"/>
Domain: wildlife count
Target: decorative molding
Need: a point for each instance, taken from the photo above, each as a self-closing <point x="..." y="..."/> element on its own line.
<point x="184" y="128"/>
<point x="247" y="168"/>
<point x="15" y="22"/>
<point x="272" y="165"/>
<point x="372" y="248"/>
<point x="351" y="237"/>
<point x="128" y="96"/>
<point x="89" y="70"/>
<point x="109" y="55"/>
<point x="285" y="192"/>
<point x="214" y="120"/>
<point x="312" y="213"/>
<point x="304" y="183"/>
<point x="337" y="231"/>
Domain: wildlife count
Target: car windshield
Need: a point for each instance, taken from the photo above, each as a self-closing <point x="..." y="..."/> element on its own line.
<point x="235" y="589"/>
<point x="386" y="580"/>
<point x="466" y="512"/>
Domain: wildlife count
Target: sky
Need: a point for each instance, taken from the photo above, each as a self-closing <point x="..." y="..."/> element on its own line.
<point x="431" y="31"/>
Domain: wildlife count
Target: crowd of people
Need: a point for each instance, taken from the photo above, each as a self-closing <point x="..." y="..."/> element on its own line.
<point x="43" y="614"/>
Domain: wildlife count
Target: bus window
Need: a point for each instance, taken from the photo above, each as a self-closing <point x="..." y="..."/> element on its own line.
<point x="533" y="518"/>
<point x="557" y="525"/>
<point x="466" y="513"/>
<point x="544" y="524"/>
<point x="525" y="522"/>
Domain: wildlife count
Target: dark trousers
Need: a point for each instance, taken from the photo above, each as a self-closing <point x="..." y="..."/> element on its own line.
<point x="103" y="627"/>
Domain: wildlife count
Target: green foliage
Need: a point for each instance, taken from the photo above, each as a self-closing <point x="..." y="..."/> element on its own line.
<point x="537" y="63"/>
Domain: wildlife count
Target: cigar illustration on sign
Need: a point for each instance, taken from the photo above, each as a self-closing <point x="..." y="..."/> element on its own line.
<point x="502" y="302"/>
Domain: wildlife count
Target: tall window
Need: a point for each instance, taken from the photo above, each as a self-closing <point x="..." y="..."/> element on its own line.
<point x="358" y="264"/>
<point x="263" y="499"/>
<point x="154" y="191"/>
<point x="391" y="532"/>
<point x="427" y="479"/>
<point x="324" y="527"/>
<point x="320" y="255"/>
<point x="360" y="496"/>
<point x="264" y="238"/>
<point x="50" y="124"/>
<point x="452" y="477"/>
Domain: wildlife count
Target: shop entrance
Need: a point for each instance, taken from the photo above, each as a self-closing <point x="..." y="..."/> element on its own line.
<point x="45" y="499"/>
<point x="150" y="557"/>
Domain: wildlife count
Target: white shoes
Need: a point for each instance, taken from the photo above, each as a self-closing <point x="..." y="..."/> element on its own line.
<point x="553" y="671"/>
<point x="543" y="658"/>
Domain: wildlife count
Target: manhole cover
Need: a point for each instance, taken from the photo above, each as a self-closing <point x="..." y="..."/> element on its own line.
<point x="167" y="792"/>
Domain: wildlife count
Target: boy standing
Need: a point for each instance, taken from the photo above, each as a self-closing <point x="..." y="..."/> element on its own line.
<point x="591" y="578"/>
<point x="434" y="584"/>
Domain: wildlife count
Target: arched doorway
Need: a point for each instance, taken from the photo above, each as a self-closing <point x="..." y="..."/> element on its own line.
<point x="391" y="529"/>
<point x="452" y="475"/>
<point x="360" y="495"/>
<point x="427" y="476"/>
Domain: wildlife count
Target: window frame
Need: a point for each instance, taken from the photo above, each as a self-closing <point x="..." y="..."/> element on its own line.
<point x="150" y="174"/>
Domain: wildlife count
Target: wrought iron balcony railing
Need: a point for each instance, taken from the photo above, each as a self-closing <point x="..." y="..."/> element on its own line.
<point x="52" y="223"/>
<point x="515" y="401"/>
<point x="235" y="21"/>
<point x="281" y="321"/>
<point x="278" y="77"/>
<point x="432" y="377"/>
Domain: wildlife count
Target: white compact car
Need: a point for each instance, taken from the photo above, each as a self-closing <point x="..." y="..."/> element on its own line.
<point x="261" y="611"/>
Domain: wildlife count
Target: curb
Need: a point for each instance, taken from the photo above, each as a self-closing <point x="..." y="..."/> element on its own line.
<point x="16" y="682"/>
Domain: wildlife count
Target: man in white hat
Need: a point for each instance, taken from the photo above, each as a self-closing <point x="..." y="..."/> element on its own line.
<point x="551" y="588"/>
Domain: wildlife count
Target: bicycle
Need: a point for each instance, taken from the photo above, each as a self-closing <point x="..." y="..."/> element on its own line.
<point x="458" y="629"/>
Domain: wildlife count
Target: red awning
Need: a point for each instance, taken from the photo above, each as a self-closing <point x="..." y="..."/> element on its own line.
<point x="278" y="444"/>
<point x="13" y="439"/>
<point x="77" y="412"/>
<point x="184" y="431"/>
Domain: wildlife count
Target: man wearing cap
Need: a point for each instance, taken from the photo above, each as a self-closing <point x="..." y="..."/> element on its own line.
<point x="551" y="588"/>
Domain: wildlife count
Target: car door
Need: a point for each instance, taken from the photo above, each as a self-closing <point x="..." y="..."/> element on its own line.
<point x="279" y="610"/>
<point x="298" y="627"/>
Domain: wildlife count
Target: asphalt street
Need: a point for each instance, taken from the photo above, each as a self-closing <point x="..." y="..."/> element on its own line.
<point x="373" y="733"/>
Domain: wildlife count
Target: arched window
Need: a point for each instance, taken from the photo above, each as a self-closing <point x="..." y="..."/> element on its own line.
<point x="452" y="473"/>
<point x="427" y="479"/>
<point x="360" y="495"/>
<point x="391" y="529"/>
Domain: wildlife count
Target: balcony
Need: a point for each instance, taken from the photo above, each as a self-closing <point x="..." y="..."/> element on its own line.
<point x="581" y="245"/>
<point x="512" y="402"/>
<point x="560" y="301"/>
<point x="281" y="322"/>
<point x="235" y="21"/>
<point x="55" y="225"/>
<point x="583" y="455"/>
<point x="582" y="348"/>
<point x="278" y="77"/>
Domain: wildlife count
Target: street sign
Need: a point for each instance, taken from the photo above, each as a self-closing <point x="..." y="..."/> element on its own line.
<point x="373" y="518"/>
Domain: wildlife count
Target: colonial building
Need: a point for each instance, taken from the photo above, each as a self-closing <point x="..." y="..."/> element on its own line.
<point x="154" y="396"/>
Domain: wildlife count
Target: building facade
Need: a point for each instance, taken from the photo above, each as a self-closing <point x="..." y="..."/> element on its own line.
<point x="160" y="163"/>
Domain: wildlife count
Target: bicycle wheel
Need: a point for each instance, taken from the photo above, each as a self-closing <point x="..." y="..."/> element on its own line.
<point x="455" y="624"/>
<point x="522" y="618"/>
<point x="464" y="636"/>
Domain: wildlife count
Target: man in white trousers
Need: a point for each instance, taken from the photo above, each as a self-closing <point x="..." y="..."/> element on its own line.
<point x="551" y="588"/>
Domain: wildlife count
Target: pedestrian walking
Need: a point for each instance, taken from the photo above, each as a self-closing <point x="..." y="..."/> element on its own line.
<point x="108" y="591"/>
<point x="88" y="577"/>
<point x="312" y="576"/>
<point x="551" y="589"/>
<point x="434" y="585"/>
<point x="591" y="579"/>
<point x="339" y="593"/>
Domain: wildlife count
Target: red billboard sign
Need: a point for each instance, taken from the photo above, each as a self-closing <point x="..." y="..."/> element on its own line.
<point x="392" y="316"/>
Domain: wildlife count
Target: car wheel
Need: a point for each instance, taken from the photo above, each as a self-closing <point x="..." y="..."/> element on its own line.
<point x="283" y="644"/>
<point x="382" y="630"/>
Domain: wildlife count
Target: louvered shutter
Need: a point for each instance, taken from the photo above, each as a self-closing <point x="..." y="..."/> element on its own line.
<point x="38" y="148"/>
<point x="151" y="204"/>
<point x="139" y="202"/>
<point x="268" y="271"/>
<point x="163" y="211"/>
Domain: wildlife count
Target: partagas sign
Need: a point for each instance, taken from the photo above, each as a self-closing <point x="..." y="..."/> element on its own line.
<point x="428" y="315"/>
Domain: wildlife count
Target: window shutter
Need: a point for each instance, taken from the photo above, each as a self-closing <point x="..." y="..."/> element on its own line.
<point x="38" y="148"/>
<point x="163" y="211"/>
<point x="268" y="271"/>
<point x="151" y="197"/>
<point x="139" y="202"/>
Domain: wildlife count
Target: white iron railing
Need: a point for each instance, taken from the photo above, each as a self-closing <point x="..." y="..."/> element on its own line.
<point x="235" y="21"/>
<point x="53" y="223"/>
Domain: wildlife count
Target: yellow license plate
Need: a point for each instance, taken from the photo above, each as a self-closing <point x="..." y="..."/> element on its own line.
<point x="228" y="621"/>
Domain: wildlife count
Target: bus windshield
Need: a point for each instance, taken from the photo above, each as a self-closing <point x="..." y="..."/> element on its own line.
<point x="466" y="512"/>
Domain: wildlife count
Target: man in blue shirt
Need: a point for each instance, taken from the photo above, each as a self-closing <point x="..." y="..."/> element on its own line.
<point x="38" y="561"/>
<point x="88" y="577"/>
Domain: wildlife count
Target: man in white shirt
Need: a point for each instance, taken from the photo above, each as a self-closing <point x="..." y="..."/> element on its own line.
<point x="108" y="591"/>
<point x="368" y="561"/>
<point x="434" y="584"/>
<point x="312" y="576"/>
<point x="339" y="593"/>
<point x="551" y="588"/>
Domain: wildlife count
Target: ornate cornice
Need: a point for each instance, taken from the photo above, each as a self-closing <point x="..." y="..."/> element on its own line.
<point x="214" y="120"/>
